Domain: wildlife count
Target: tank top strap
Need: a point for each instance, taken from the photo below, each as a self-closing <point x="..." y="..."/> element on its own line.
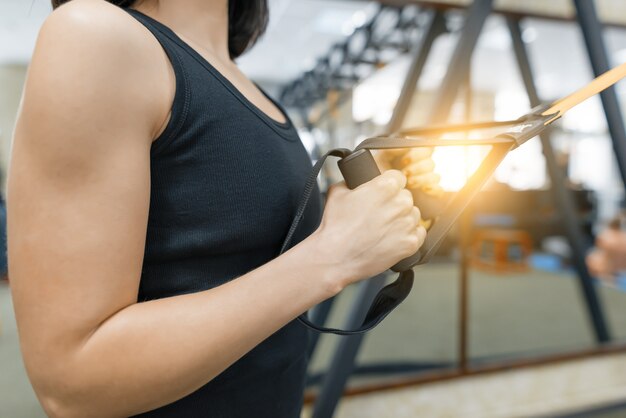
<point x="180" y="105"/>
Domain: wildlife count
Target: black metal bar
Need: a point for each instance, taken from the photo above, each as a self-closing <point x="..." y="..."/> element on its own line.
<point x="465" y="232"/>
<point x="436" y="27"/>
<point x="342" y="363"/>
<point x="592" y="33"/>
<point x="445" y="6"/>
<point x="461" y="59"/>
<point x="562" y="197"/>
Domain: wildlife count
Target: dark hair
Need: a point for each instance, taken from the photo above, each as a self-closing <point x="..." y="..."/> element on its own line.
<point x="247" y="21"/>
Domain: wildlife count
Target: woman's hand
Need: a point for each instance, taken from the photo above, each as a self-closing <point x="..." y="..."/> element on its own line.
<point x="367" y="230"/>
<point x="417" y="166"/>
<point x="415" y="163"/>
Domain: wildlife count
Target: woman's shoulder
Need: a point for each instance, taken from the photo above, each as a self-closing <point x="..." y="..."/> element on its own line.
<point x="94" y="24"/>
<point x="92" y="56"/>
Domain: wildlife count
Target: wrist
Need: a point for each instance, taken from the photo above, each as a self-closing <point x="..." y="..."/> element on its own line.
<point x="321" y="256"/>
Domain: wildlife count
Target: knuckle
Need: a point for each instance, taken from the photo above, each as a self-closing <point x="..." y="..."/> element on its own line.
<point x="396" y="175"/>
<point x="417" y="213"/>
<point x="406" y="198"/>
<point x="422" y="233"/>
<point x="385" y="180"/>
<point x="408" y="223"/>
<point x="412" y="244"/>
<point x="388" y="183"/>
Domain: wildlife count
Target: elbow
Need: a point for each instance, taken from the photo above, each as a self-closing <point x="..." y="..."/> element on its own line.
<point x="63" y="406"/>
<point x="59" y="380"/>
<point x="62" y="398"/>
<point x="65" y="386"/>
<point x="56" y="406"/>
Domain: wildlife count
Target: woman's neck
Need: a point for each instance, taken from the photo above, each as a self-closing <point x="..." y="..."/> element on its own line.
<point x="204" y="22"/>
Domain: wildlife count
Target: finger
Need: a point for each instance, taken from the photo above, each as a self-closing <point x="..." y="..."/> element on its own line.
<point x="394" y="178"/>
<point x="423" y="181"/>
<point x="414" y="155"/>
<point x="433" y="189"/>
<point x="421" y="234"/>
<point x="426" y="165"/>
<point x="417" y="216"/>
<point x="405" y="201"/>
<point x="385" y="158"/>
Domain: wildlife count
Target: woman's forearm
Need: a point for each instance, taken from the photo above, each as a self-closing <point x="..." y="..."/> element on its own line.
<point x="153" y="353"/>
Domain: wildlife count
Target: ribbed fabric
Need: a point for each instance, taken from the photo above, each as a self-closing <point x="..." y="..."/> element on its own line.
<point x="225" y="181"/>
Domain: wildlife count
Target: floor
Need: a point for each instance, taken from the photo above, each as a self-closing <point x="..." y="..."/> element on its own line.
<point x="555" y="390"/>
<point x="510" y="316"/>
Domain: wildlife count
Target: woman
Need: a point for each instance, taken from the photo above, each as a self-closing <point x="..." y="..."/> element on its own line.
<point x="150" y="188"/>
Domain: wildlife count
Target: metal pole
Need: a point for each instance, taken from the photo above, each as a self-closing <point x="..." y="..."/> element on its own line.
<point x="562" y="197"/>
<point x="465" y="230"/>
<point x="592" y="33"/>
<point x="343" y="360"/>
<point x="436" y="27"/>
<point x="460" y="62"/>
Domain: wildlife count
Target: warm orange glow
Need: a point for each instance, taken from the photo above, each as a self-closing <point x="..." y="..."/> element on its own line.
<point x="456" y="164"/>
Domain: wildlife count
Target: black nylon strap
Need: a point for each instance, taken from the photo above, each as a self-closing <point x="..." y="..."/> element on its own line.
<point x="395" y="293"/>
<point x="386" y="300"/>
<point x="306" y="193"/>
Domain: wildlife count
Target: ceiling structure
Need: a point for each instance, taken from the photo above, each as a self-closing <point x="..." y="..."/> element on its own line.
<point x="610" y="11"/>
<point x="302" y="31"/>
<point x="299" y="31"/>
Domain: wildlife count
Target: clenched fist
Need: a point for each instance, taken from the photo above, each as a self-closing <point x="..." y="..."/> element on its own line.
<point x="369" y="229"/>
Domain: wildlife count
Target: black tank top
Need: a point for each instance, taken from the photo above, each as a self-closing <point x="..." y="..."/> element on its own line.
<point x="225" y="181"/>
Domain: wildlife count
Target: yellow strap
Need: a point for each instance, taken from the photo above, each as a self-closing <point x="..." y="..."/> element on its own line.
<point x="600" y="83"/>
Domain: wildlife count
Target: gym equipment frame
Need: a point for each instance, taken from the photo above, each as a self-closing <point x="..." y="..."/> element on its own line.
<point x="343" y="361"/>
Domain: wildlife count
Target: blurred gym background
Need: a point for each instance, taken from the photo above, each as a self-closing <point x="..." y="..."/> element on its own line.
<point x="506" y="321"/>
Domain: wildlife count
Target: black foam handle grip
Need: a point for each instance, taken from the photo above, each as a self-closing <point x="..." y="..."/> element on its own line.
<point x="358" y="168"/>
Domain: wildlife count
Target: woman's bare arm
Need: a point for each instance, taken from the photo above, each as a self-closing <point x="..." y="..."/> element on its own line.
<point x="79" y="190"/>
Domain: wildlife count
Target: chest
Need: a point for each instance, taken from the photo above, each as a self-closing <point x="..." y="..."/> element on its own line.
<point x="232" y="179"/>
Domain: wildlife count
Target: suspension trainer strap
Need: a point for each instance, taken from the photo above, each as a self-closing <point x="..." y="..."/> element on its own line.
<point x="521" y="130"/>
<point x="387" y="299"/>
<point x="396" y="292"/>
